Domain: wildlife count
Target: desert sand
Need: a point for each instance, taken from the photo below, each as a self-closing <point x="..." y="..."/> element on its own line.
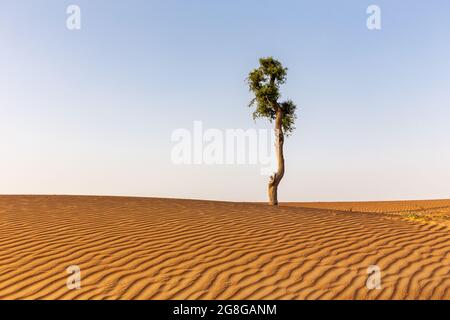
<point x="146" y="248"/>
<point x="431" y="211"/>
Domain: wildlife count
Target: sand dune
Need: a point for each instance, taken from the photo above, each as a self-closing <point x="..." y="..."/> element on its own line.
<point x="431" y="211"/>
<point x="139" y="248"/>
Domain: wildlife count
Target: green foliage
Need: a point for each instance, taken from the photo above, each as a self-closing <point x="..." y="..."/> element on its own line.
<point x="265" y="82"/>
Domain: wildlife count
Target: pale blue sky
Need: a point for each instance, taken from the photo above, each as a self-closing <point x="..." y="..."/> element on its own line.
<point x="92" y="111"/>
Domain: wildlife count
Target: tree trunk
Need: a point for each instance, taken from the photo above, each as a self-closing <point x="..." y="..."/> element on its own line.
<point x="277" y="176"/>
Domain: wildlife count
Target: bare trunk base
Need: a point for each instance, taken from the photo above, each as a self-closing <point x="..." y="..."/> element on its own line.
<point x="273" y="194"/>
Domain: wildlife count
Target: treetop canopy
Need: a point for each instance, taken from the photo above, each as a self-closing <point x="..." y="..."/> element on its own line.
<point x="265" y="82"/>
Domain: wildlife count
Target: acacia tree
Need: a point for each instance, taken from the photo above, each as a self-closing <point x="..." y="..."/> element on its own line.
<point x="264" y="82"/>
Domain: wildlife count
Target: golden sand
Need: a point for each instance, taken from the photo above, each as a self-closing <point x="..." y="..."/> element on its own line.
<point x="144" y="248"/>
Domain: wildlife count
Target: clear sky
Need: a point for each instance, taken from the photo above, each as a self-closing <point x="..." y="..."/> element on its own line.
<point x="92" y="111"/>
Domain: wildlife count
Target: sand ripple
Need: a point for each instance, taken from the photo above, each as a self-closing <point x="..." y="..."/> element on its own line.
<point x="140" y="248"/>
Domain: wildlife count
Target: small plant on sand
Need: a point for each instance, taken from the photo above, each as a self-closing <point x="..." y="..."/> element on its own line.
<point x="264" y="82"/>
<point x="416" y="215"/>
